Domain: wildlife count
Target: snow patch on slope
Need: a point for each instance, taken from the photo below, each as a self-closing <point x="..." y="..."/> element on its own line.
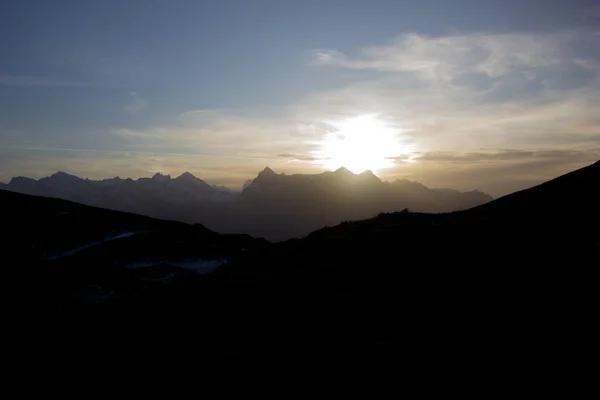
<point x="201" y="266"/>
<point x="90" y="244"/>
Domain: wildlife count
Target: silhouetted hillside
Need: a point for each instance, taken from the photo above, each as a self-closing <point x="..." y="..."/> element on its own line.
<point x="571" y="196"/>
<point x="69" y="252"/>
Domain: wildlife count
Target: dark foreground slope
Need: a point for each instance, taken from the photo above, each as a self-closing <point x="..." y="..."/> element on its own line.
<point x="65" y="265"/>
<point x="508" y="281"/>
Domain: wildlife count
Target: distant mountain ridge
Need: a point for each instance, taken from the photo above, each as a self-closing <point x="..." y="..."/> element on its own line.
<point x="122" y="194"/>
<point x="274" y="206"/>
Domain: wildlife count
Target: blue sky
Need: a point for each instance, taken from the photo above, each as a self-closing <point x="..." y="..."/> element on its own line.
<point x="496" y="95"/>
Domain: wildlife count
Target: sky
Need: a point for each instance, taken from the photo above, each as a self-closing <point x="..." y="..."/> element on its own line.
<point x="468" y="94"/>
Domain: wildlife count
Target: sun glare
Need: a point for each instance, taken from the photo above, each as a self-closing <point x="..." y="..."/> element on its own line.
<point x="365" y="142"/>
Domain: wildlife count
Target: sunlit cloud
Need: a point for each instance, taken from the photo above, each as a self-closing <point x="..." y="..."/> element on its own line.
<point x="196" y="113"/>
<point x="511" y="155"/>
<point x="219" y="134"/>
<point x="297" y="157"/>
<point x="490" y="86"/>
<point x="445" y="58"/>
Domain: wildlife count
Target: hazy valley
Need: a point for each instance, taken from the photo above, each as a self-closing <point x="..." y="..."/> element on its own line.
<point x="273" y="206"/>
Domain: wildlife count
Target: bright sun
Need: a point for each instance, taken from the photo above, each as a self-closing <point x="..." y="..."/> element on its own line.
<point x="360" y="143"/>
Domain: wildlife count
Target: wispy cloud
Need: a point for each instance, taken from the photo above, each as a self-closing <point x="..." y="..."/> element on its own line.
<point x="218" y="133"/>
<point x="128" y="152"/>
<point x="297" y="157"/>
<point x="445" y="58"/>
<point x="477" y="87"/>
<point x="14" y="80"/>
<point x="197" y="113"/>
<point x="512" y="155"/>
<point x="136" y="104"/>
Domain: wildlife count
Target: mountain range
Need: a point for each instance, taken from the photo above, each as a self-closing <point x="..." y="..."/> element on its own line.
<point x="504" y="280"/>
<point x="273" y="206"/>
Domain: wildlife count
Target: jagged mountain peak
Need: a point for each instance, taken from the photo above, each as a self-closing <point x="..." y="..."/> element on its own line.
<point x="265" y="175"/>
<point x="17" y="179"/>
<point x="369" y="175"/>
<point x="116" y="178"/>
<point x="62" y="175"/>
<point x="187" y="176"/>
<point x="158" y="175"/>
<point x="189" y="179"/>
<point x="343" y="171"/>
<point x="267" y="171"/>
